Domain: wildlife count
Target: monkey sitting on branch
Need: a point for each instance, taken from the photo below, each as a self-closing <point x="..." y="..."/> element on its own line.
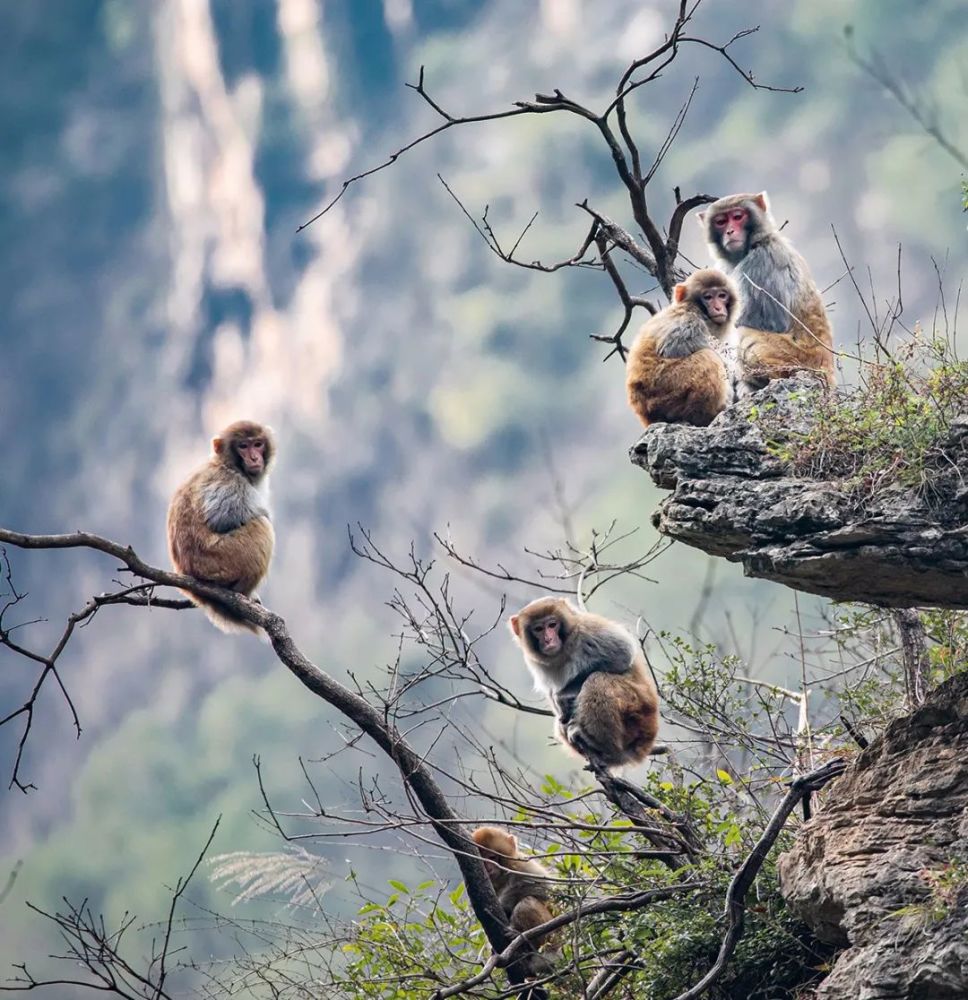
<point x="596" y="678"/>
<point x="675" y="374"/>
<point x="219" y="527"/>
<point x="782" y="325"/>
<point x="521" y="885"/>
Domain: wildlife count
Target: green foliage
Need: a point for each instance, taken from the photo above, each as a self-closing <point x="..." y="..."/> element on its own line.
<point x="890" y="431"/>
<point x="420" y="937"/>
<point x="947" y="890"/>
<point x="874" y="695"/>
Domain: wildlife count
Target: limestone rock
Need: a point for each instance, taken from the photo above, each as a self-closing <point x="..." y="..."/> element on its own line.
<point x="872" y="871"/>
<point x="731" y="496"/>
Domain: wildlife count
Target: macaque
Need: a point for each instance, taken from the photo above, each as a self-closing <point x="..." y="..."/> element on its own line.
<point x="521" y="885"/>
<point x="782" y="324"/>
<point x="675" y="374"/>
<point x="595" y="676"/>
<point x="219" y="529"/>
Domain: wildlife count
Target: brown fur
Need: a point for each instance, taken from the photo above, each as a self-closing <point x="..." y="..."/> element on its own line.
<point x="807" y="342"/>
<point x="520" y="884"/>
<point x="236" y="557"/>
<point x="614" y="717"/>
<point x="690" y="389"/>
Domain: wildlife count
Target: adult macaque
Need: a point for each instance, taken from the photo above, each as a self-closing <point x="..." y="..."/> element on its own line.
<point x="782" y="324"/>
<point x="521" y="884"/>
<point x="675" y="374"/>
<point x="595" y="676"/>
<point x="219" y="528"/>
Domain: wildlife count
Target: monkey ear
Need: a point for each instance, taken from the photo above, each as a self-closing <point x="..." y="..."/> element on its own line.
<point x="218" y="444"/>
<point x="678" y="293"/>
<point x="515" y="625"/>
<point x="762" y="200"/>
<point x="701" y="218"/>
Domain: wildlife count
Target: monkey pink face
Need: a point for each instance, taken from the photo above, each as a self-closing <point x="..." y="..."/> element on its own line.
<point x="717" y="302"/>
<point x="547" y="635"/>
<point x="251" y="455"/>
<point x="732" y="227"/>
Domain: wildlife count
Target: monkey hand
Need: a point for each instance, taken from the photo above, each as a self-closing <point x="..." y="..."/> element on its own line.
<point x="578" y="739"/>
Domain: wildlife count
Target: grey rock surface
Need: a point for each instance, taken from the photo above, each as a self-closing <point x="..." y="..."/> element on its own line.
<point x="732" y="497"/>
<point x="872" y="870"/>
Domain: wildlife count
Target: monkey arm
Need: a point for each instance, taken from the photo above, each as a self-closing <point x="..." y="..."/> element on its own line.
<point x="767" y="296"/>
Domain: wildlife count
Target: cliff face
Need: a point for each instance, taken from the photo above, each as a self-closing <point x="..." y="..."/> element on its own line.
<point x="882" y="869"/>
<point x="732" y="497"/>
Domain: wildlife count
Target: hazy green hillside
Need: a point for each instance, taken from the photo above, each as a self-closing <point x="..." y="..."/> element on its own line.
<point x="157" y="161"/>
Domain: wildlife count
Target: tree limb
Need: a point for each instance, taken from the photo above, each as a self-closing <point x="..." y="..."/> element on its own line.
<point x="415" y="774"/>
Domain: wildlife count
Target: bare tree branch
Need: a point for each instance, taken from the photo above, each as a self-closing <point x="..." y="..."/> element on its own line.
<point x="413" y="770"/>
<point x="736" y="894"/>
<point x="927" y="117"/>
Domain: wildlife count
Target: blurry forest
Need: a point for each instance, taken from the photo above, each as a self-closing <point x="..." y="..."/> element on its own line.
<point x="157" y="161"/>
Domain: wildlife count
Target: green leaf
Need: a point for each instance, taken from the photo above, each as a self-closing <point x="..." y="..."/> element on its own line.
<point x="399" y="886"/>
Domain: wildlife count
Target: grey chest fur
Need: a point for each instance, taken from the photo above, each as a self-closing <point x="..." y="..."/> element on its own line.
<point x="227" y="507"/>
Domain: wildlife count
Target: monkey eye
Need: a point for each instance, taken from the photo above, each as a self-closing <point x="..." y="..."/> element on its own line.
<point x="720" y="220"/>
<point x="738" y="216"/>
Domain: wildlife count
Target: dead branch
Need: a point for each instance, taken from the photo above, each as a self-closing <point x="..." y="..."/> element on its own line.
<point x="413" y="770"/>
<point x="927" y="117"/>
<point x="659" y="255"/>
<point x="735" y="912"/>
<point x="625" y="903"/>
<point x="914" y="654"/>
<point x="91" y="946"/>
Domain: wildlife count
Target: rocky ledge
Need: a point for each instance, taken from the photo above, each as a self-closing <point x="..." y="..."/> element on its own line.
<point x="882" y="869"/>
<point x="731" y="496"/>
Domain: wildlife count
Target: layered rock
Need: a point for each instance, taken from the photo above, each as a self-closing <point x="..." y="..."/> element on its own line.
<point x="732" y="496"/>
<point x="882" y="868"/>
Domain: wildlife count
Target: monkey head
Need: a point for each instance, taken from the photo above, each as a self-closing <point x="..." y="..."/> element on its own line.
<point x="714" y="294"/>
<point x="734" y="224"/>
<point x="543" y="626"/>
<point x="245" y="447"/>
<point x="494" y="844"/>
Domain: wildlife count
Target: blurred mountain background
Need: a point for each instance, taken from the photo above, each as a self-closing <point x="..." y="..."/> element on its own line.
<point x="156" y="162"/>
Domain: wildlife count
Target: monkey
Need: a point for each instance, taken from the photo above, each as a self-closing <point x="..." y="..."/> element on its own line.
<point x="674" y="372"/>
<point x="595" y="676"/>
<point x="219" y="527"/>
<point x="521" y="884"/>
<point x="782" y="326"/>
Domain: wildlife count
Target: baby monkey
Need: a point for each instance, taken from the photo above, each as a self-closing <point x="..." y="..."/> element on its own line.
<point x="521" y="885"/>
<point x="595" y="677"/>
<point x="219" y="529"/>
<point x="675" y="374"/>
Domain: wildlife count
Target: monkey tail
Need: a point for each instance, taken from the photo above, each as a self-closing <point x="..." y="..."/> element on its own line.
<point x="222" y="618"/>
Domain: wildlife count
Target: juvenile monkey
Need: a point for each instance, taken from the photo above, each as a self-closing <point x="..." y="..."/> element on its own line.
<point x="595" y="677"/>
<point x="674" y="372"/>
<point x="521" y="884"/>
<point x="783" y="328"/>
<point x="219" y="529"/>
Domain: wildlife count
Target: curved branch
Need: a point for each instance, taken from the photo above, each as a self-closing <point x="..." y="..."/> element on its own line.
<point x="415" y="774"/>
<point x="624" y="903"/>
<point x="748" y="870"/>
